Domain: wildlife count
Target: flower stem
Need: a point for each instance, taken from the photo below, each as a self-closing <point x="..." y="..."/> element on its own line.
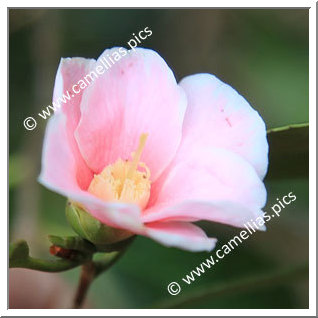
<point x="87" y="276"/>
<point x="91" y="269"/>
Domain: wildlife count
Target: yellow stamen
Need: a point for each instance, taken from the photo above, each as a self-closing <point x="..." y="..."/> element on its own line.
<point x="137" y="155"/>
<point x="122" y="181"/>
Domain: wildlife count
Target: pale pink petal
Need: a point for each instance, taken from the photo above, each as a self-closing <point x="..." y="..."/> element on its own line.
<point x="212" y="184"/>
<point x="182" y="235"/>
<point x="138" y="94"/>
<point x="224" y="212"/>
<point x="58" y="174"/>
<point x="217" y="116"/>
<point x="59" y="166"/>
<point x="70" y="71"/>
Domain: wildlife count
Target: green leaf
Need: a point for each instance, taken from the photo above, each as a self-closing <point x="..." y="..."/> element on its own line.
<point x="288" y="151"/>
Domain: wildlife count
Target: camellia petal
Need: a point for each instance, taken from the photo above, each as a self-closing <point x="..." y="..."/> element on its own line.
<point x="217" y="116"/>
<point x="182" y="235"/>
<point x="59" y="165"/>
<point x="70" y="71"/>
<point x="223" y="184"/>
<point x="137" y="95"/>
<point x="225" y="212"/>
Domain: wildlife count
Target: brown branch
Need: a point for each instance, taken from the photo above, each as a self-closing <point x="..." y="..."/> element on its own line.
<point x="91" y="269"/>
<point x="87" y="276"/>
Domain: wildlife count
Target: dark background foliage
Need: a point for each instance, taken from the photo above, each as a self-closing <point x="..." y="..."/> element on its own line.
<point x="262" y="53"/>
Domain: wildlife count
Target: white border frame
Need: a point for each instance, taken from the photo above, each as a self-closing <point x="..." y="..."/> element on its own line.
<point x="312" y="164"/>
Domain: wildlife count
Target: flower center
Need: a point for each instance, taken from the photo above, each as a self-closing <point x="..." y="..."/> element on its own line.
<point x="122" y="181"/>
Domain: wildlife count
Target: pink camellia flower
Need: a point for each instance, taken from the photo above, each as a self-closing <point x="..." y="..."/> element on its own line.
<point x="146" y="155"/>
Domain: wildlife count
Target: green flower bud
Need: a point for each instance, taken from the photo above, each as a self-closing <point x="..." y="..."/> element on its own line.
<point x="89" y="228"/>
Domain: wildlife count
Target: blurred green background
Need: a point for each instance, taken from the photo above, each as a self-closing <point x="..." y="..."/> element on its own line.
<point x="261" y="53"/>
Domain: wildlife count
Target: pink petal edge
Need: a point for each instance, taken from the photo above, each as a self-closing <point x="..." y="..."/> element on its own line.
<point x="218" y="116"/>
<point x="186" y="236"/>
